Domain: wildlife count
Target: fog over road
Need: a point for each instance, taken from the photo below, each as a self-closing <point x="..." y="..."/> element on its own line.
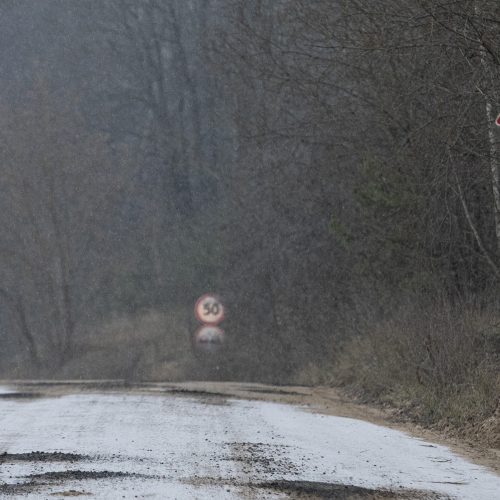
<point x="160" y="442"/>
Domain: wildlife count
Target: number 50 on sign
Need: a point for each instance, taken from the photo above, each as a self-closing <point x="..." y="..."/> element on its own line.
<point x="209" y="310"/>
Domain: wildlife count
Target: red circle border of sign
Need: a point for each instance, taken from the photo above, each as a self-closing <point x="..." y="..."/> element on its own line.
<point x="209" y="323"/>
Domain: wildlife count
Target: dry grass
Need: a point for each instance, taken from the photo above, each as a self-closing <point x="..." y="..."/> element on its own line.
<point x="441" y="365"/>
<point x="152" y="345"/>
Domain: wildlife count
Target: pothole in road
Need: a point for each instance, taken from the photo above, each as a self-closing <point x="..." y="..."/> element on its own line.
<point x="36" y="481"/>
<point x="215" y="401"/>
<point x="194" y="393"/>
<point x="21" y="395"/>
<point x="313" y="490"/>
<point x="16" y="489"/>
<point x="71" y="493"/>
<point x="318" y="490"/>
<point x="261" y="458"/>
<point x="79" y="475"/>
<point x="274" y="391"/>
<point x="33" y="482"/>
<point x="41" y="456"/>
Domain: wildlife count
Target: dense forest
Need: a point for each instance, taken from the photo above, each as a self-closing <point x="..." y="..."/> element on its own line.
<point x="330" y="168"/>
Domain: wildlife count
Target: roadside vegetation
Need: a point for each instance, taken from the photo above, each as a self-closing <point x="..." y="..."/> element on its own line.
<point x="438" y="365"/>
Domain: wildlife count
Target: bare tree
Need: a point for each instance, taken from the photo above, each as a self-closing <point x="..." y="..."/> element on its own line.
<point x="57" y="179"/>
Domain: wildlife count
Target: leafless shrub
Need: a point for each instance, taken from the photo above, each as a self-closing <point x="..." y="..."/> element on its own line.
<point x="441" y="362"/>
<point x="151" y="345"/>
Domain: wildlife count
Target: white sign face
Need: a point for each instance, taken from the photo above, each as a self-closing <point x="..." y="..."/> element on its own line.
<point x="209" y="338"/>
<point x="209" y="310"/>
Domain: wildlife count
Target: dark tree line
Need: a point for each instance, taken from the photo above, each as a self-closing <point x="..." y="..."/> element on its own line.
<point x="316" y="163"/>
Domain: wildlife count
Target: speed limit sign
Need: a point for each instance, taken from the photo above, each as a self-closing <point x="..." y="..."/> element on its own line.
<point x="209" y="310"/>
<point x="209" y="338"/>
